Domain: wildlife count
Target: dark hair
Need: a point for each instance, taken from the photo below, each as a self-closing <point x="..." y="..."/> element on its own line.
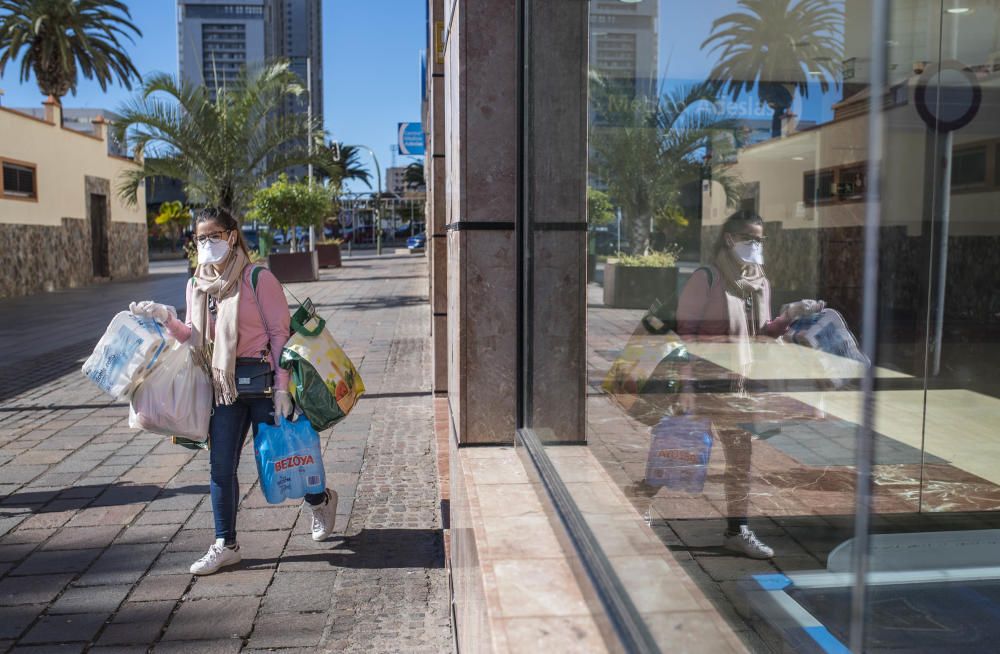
<point x="735" y="224"/>
<point x="225" y="220"/>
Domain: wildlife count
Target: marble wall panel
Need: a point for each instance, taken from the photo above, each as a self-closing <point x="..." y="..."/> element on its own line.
<point x="489" y="111"/>
<point x="439" y="334"/>
<point x="489" y="326"/>
<point x="559" y="334"/>
<point x="455" y="332"/>
<point x="558" y="112"/>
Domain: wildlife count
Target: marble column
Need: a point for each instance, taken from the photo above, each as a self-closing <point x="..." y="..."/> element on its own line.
<point x="557" y="199"/>
<point x="481" y="197"/>
<point x="434" y="174"/>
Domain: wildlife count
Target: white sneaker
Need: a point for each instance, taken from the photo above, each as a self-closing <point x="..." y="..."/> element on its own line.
<point x="218" y="556"/>
<point x="746" y="542"/>
<point x="324" y="515"/>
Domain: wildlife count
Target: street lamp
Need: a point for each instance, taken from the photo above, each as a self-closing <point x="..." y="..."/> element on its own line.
<point x="378" y="194"/>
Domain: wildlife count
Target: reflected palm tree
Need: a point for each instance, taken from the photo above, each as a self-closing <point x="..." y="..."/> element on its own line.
<point x="645" y="148"/>
<point x="779" y="47"/>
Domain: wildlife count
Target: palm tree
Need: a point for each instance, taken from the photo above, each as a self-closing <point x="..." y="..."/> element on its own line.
<point x="647" y="148"/>
<point x="779" y="47"/>
<point x="224" y="148"/>
<point x="62" y="38"/>
<point x="342" y="162"/>
<point x="413" y="177"/>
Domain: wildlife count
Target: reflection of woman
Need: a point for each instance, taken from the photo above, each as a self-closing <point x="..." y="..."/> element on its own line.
<point x="730" y="300"/>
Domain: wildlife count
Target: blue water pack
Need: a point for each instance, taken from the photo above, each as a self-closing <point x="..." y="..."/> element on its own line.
<point x="289" y="460"/>
<point x="679" y="453"/>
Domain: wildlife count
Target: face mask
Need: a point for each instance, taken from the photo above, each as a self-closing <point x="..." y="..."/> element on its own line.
<point x="750" y="252"/>
<point x="209" y="252"/>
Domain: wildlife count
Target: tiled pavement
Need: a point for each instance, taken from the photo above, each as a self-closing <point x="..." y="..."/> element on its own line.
<point x="99" y="523"/>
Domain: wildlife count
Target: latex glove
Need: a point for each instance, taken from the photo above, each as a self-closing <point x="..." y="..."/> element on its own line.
<point x="161" y="313"/>
<point x="282" y="406"/>
<point x="797" y="310"/>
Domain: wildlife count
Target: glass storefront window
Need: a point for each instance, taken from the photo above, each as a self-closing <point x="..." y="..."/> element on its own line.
<point x="730" y="195"/>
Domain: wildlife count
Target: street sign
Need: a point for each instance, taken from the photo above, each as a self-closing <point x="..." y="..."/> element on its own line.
<point x="411" y="139"/>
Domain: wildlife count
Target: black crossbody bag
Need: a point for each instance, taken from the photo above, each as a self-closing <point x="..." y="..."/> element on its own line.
<point x="254" y="375"/>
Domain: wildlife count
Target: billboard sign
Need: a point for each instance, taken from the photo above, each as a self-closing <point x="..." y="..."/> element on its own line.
<point x="411" y="139"/>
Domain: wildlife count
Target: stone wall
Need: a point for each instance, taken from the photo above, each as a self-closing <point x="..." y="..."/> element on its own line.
<point x="41" y="258"/>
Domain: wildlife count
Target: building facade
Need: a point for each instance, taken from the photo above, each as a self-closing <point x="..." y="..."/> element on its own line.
<point x="755" y="479"/>
<point x="216" y="40"/>
<point x="62" y="223"/>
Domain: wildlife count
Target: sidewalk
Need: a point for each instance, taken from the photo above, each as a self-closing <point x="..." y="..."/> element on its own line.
<point x="99" y="523"/>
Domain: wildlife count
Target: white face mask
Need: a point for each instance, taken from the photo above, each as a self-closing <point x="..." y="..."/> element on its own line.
<point x="209" y="252"/>
<point x="750" y="252"/>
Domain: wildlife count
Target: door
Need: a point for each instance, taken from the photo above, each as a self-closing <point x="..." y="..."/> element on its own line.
<point x="99" y="234"/>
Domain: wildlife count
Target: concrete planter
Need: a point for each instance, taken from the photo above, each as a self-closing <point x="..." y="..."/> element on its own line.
<point x="294" y="266"/>
<point x="635" y="287"/>
<point x="329" y="255"/>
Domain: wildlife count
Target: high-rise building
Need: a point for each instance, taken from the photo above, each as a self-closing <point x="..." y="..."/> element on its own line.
<point x="294" y="32"/>
<point x="215" y="40"/>
<point x="624" y="42"/>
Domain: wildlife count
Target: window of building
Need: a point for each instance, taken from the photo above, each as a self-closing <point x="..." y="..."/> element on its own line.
<point x="819" y="186"/>
<point x="851" y="182"/>
<point x="19" y="180"/>
<point x="968" y="167"/>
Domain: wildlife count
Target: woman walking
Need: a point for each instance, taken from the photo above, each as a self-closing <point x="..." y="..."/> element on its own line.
<point x="227" y="318"/>
<point x="729" y="301"/>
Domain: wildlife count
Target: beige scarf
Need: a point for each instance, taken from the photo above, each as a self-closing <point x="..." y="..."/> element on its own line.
<point x="222" y="282"/>
<point x="744" y="287"/>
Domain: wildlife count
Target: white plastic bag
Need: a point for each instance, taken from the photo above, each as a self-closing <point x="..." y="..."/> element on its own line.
<point x="175" y="399"/>
<point x="128" y="350"/>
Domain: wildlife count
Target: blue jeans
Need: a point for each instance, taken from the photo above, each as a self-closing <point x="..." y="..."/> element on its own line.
<point x="228" y="430"/>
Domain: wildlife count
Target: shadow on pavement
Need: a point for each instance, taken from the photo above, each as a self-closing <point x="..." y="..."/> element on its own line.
<point x="28" y="375"/>
<point x="115" y="494"/>
<point x="374" y="548"/>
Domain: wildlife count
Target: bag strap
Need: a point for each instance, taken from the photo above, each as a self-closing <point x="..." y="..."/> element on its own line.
<point x="254" y="276"/>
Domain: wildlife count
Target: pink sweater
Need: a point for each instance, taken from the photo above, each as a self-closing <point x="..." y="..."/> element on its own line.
<point x="253" y="336"/>
<point x="702" y="309"/>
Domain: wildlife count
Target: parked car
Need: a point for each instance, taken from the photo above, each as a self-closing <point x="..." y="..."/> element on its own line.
<point x="417" y="243"/>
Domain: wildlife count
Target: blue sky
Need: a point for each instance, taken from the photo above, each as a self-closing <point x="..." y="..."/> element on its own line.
<point x="371" y="67"/>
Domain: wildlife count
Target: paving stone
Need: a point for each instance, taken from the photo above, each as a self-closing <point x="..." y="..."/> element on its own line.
<point x="73" y="538"/>
<point x="163" y="517"/>
<point x="121" y="564"/>
<point x="192" y="540"/>
<point x="119" y="649"/>
<point x="65" y="628"/>
<point x="288" y="630"/>
<point x="44" y="563"/>
<point x="13" y="553"/>
<point x="266" y="519"/>
<point x="137" y="623"/>
<point x="21" y="536"/>
<point x="61" y="648"/>
<point x="234" y="583"/>
<point x="230" y="646"/>
<point x="100" y="599"/>
<point x="106" y="515"/>
<point x="17" y="618"/>
<point x="161" y="587"/>
<point x="148" y="534"/>
<point x="213" y="619"/>
<point x="299" y="592"/>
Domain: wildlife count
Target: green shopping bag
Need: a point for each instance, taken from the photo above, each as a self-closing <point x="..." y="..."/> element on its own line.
<point x="325" y="384"/>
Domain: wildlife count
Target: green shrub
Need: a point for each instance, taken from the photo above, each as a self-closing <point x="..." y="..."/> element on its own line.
<point x="651" y="260"/>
